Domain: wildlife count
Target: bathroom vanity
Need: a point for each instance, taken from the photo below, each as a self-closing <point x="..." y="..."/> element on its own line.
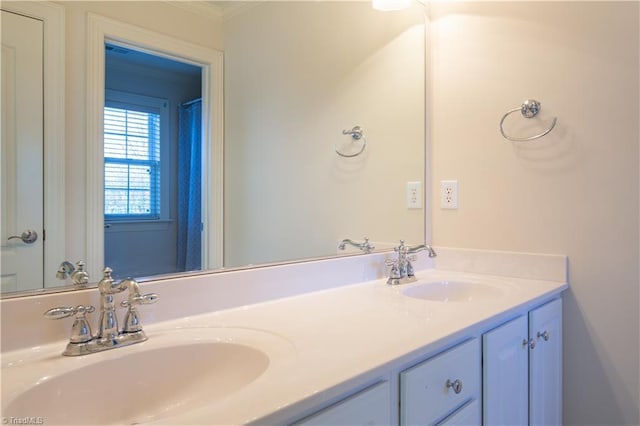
<point x="478" y="336"/>
<point x="495" y="378"/>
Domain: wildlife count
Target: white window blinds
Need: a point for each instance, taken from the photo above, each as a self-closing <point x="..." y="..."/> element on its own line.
<point x="131" y="164"/>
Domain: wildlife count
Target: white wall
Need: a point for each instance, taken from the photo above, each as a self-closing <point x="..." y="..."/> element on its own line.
<point x="575" y="192"/>
<point x="287" y="193"/>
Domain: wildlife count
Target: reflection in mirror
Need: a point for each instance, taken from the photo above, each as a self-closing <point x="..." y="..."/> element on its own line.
<point x="33" y="144"/>
<point x="152" y="164"/>
<point x="330" y="66"/>
<point x="299" y="77"/>
<point x="22" y="144"/>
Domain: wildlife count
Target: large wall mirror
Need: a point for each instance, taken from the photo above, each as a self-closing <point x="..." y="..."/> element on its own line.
<point x="203" y="136"/>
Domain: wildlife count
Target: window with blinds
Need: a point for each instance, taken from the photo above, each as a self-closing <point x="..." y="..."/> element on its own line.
<point x="131" y="164"/>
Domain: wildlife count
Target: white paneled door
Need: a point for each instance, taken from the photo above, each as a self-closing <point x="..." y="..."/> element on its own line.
<point x="21" y="168"/>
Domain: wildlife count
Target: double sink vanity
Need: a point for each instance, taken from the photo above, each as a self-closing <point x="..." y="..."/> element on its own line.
<point x="323" y="337"/>
<point x="476" y="339"/>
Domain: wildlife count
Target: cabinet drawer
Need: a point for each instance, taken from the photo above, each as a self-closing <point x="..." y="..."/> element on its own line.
<point x="467" y="415"/>
<point x="370" y="407"/>
<point x="424" y="394"/>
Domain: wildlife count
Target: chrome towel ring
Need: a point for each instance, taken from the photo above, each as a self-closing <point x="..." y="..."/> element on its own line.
<point x="529" y="108"/>
<point x="356" y="134"/>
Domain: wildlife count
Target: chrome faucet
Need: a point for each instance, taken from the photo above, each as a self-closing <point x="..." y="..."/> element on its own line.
<point x="108" y="320"/>
<point x="78" y="275"/>
<point x="401" y="271"/>
<point x="109" y="336"/>
<point x="364" y="246"/>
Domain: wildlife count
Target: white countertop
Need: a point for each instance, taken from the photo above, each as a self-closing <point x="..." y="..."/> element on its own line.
<point x="324" y="340"/>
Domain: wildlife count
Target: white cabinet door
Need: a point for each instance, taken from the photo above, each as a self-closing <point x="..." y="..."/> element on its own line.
<point x="545" y="365"/>
<point x="370" y="407"/>
<point x="21" y="143"/>
<point x="505" y="374"/>
<point x="522" y="383"/>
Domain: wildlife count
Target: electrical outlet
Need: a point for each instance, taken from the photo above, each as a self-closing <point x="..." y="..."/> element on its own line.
<point x="448" y="194"/>
<point x="414" y="195"/>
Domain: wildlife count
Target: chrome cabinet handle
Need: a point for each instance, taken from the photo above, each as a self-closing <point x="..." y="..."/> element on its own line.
<point x="456" y="385"/>
<point x="531" y="343"/>
<point x="544" y="335"/>
<point x="28" y="237"/>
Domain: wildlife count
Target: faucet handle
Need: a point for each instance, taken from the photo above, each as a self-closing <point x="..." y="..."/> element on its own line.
<point x="132" y="320"/>
<point x="145" y="299"/>
<point x="80" y="331"/>
<point x="64" y="312"/>
<point x="366" y="246"/>
<point x="391" y="262"/>
<point x="394" y="275"/>
<point x="80" y="277"/>
<point x="410" y="270"/>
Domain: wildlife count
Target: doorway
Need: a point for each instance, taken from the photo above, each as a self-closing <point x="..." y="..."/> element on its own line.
<point x="102" y="32"/>
<point x="152" y="159"/>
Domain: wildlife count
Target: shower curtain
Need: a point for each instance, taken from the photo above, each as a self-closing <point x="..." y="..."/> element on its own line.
<point x="189" y="186"/>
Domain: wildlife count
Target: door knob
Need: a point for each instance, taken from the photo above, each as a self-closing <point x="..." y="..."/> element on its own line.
<point x="28" y="237"/>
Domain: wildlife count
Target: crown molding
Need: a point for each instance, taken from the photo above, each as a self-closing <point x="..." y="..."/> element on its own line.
<point x="208" y="9"/>
<point x="213" y="9"/>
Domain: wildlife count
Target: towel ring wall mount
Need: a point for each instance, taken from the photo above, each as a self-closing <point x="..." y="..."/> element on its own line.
<point x="356" y="134"/>
<point x="529" y="109"/>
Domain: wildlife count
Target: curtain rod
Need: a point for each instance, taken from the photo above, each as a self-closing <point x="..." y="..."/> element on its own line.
<point x="191" y="102"/>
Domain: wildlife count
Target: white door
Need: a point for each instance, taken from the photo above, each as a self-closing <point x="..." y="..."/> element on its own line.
<point x="21" y="169"/>
<point x="505" y="374"/>
<point x="545" y="365"/>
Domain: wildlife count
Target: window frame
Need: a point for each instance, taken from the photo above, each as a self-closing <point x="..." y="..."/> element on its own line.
<point x="135" y="102"/>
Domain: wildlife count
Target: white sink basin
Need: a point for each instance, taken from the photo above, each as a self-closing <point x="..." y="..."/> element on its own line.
<point x="453" y="291"/>
<point x="172" y="373"/>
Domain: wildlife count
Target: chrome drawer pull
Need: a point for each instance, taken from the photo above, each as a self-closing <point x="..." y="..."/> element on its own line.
<point x="456" y="385"/>
<point x="531" y="343"/>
